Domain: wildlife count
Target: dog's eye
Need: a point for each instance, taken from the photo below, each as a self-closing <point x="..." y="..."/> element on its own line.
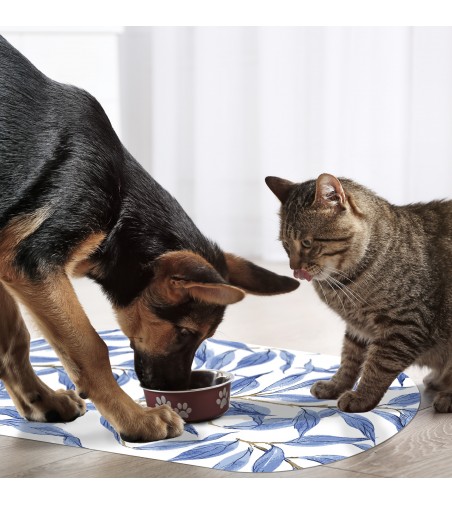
<point x="187" y="332"/>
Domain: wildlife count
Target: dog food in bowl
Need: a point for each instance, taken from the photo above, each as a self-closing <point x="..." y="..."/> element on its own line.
<point x="207" y="398"/>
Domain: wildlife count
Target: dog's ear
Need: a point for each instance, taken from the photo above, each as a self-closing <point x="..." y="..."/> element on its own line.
<point x="183" y="274"/>
<point x="257" y="280"/>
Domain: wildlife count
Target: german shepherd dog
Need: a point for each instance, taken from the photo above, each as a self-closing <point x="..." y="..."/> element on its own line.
<point x="74" y="202"/>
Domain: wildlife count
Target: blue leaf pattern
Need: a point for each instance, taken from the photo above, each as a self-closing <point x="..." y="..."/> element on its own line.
<point x="11" y="412"/>
<point x="406" y="416"/>
<point x="326" y="413"/>
<point x="272" y="423"/>
<point x="64" y="379"/>
<point x="270" y="460"/>
<point x="229" y="343"/>
<point x="292" y="398"/>
<point x="288" y="381"/>
<point x="127" y="364"/>
<point x="288" y="358"/>
<point x="401" y="378"/>
<point x="272" y="416"/>
<point x="235" y="462"/>
<point x="313" y="440"/>
<point x="207" y="451"/>
<point x="306" y="420"/>
<point x="110" y="428"/>
<point x="325" y="459"/>
<point x="256" y="412"/>
<point x="360" y="423"/>
<point x="392" y="418"/>
<point x="256" y="358"/>
<point x="189" y="428"/>
<point x="46" y="371"/>
<point x="202" y="355"/>
<point x="405" y="400"/>
<point x="43" y="429"/>
<point x="221" y="361"/>
<point x="177" y="444"/>
<point x="122" y="379"/>
<point x="245" y="384"/>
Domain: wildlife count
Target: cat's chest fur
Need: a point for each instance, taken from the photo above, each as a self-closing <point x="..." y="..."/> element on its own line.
<point x="386" y="299"/>
<point x="361" y="315"/>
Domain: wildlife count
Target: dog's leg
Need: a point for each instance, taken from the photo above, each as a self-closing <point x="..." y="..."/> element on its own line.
<point x="54" y="304"/>
<point x="33" y="399"/>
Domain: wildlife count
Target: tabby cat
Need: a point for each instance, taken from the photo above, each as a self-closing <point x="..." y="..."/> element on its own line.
<point x="386" y="270"/>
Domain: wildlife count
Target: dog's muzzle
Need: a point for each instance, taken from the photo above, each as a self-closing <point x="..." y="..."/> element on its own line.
<point x="163" y="373"/>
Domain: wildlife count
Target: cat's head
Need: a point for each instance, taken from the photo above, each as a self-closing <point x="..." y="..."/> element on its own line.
<point x="323" y="230"/>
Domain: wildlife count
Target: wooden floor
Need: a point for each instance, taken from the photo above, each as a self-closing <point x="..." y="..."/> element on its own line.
<point x="296" y="321"/>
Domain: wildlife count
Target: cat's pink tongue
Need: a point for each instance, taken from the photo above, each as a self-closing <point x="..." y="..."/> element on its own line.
<point x="301" y="273"/>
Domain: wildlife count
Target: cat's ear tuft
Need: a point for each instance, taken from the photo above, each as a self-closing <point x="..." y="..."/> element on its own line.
<point x="280" y="187"/>
<point x="329" y="192"/>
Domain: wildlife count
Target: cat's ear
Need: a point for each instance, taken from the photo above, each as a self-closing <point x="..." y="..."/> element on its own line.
<point x="280" y="187"/>
<point x="329" y="192"/>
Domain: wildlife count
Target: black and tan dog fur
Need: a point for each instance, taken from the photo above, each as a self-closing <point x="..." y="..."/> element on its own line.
<point x="74" y="202"/>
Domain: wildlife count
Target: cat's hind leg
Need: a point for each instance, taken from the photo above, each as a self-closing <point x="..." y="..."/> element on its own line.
<point x="442" y="383"/>
<point x="432" y="381"/>
<point x="352" y="358"/>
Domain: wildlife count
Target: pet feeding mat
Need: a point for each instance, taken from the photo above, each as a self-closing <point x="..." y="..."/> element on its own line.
<point x="273" y="424"/>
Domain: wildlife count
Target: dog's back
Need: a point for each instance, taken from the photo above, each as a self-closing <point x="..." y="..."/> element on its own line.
<point x="22" y="94"/>
<point x="49" y="133"/>
<point x="60" y="158"/>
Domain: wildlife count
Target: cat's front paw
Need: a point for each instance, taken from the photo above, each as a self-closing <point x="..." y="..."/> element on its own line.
<point x="351" y="401"/>
<point x="443" y="403"/>
<point x="326" y="390"/>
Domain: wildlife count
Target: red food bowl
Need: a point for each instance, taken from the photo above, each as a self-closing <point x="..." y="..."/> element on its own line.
<point x="207" y="398"/>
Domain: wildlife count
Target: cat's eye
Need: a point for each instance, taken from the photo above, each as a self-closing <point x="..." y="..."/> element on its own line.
<point x="306" y="243"/>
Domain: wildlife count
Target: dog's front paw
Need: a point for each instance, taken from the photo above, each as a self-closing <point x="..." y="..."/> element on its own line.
<point x="61" y="406"/>
<point x="153" y="424"/>
<point x="325" y="390"/>
<point x="351" y="401"/>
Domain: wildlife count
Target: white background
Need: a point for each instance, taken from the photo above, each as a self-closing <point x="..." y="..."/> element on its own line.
<point x="210" y="111"/>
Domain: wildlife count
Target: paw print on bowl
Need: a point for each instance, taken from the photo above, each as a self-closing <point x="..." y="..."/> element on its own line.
<point x="183" y="410"/>
<point x="161" y="400"/>
<point x="222" y="398"/>
<point x="207" y="398"/>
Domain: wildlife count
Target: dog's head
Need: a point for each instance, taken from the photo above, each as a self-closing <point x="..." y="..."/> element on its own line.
<point x="182" y="306"/>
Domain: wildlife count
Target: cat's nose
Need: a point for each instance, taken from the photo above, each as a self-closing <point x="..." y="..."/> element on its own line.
<point x="296" y="263"/>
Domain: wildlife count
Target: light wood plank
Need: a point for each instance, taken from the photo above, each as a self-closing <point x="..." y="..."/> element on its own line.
<point x="422" y="449"/>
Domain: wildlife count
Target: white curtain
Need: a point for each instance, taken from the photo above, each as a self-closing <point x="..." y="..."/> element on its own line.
<point x="211" y="111"/>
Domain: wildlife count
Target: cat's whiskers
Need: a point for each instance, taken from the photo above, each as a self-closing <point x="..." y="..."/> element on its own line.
<point x="334" y="291"/>
<point x="366" y="276"/>
<point x="323" y="291"/>
<point x="337" y="282"/>
<point x="334" y="283"/>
